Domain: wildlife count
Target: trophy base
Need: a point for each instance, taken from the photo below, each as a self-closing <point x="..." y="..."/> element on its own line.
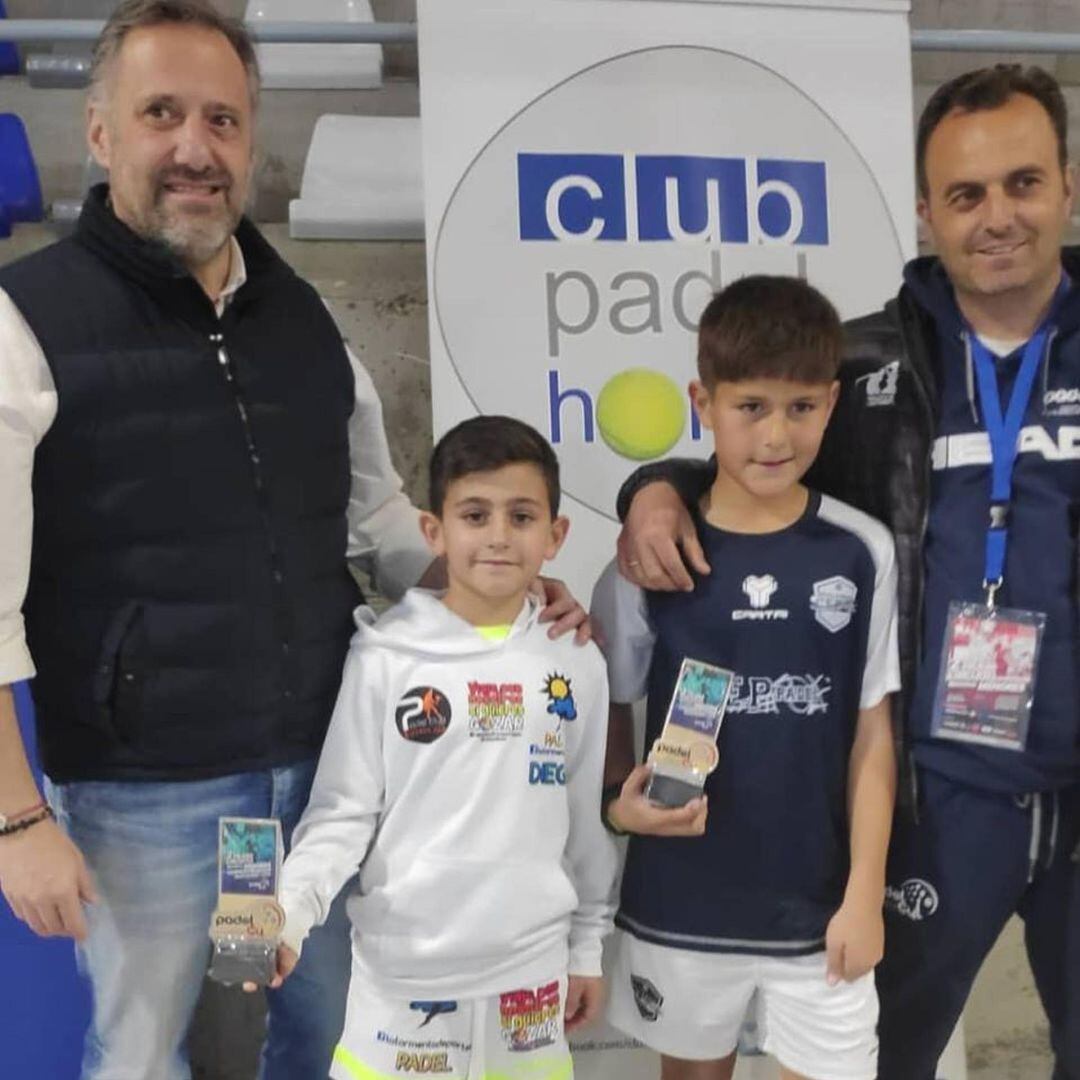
<point x="670" y="791"/>
<point x="235" y="962"/>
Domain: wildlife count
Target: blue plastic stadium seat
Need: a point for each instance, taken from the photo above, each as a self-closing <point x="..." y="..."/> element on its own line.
<point x="9" y="55"/>
<point x="20" y="189"/>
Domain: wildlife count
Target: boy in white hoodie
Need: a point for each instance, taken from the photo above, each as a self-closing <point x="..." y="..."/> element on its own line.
<point x="463" y="770"/>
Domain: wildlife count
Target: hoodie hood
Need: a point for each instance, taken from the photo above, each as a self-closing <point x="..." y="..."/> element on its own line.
<point x="927" y="281"/>
<point x="421" y="625"/>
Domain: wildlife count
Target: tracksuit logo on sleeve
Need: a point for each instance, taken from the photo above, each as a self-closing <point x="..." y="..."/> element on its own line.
<point x="881" y="385"/>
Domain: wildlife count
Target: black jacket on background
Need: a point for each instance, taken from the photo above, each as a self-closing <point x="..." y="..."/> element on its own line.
<point x="189" y="605"/>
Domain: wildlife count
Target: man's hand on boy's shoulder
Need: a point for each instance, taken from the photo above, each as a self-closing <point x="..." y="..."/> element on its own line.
<point x="632" y="812"/>
<point x="854" y="940"/>
<point x="657" y="541"/>
<point x="584" y="1000"/>
<point x="563" y="611"/>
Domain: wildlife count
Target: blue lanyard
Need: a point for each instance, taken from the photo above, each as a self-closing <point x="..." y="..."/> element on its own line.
<point x="1004" y="432"/>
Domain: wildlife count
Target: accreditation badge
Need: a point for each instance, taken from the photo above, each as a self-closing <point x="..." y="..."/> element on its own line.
<point x="248" y="919"/>
<point x="686" y="752"/>
<point x="986" y="682"/>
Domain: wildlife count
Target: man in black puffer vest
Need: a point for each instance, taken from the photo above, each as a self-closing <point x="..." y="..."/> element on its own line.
<point x="204" y="449"/>
<point x="987" y="828"/>
<point x="205" y="452"/>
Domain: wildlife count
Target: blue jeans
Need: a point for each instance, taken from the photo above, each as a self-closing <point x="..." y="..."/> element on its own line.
<point x="152" y="849"/>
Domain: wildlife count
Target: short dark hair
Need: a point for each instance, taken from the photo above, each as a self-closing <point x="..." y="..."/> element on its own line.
<point x="768" y="327"/>
<point x="135" y="14"/>
<point x="486" y="443"/>
<point x="990" y="88"/>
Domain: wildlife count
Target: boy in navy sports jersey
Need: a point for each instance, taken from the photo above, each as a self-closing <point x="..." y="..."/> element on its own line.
<point x="772" y="883"/>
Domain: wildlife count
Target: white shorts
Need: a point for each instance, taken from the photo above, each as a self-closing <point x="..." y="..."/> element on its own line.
<point x="517" y="1035"/>
<point x="691" y="1005"/>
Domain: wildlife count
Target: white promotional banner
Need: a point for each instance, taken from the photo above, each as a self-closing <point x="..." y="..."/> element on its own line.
<point x="595" y="169"/>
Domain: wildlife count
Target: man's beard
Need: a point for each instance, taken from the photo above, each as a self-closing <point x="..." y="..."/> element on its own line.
<point x="192" y="237"/>
<point x="196" y="240"/>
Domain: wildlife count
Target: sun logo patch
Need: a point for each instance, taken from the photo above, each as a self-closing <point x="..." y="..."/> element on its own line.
<point x="560" y="697"/>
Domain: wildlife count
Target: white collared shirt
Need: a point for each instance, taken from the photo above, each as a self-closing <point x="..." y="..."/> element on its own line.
<point x="382" y="522"/>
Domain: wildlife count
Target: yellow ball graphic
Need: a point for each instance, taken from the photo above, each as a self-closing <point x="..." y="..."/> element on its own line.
<point x="641" y="413"/>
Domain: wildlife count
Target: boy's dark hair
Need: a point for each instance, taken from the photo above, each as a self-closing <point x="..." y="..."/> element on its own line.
<point x="990" y="88"/>
<point x="486" y="443"/>
<point x="764" y="327"/>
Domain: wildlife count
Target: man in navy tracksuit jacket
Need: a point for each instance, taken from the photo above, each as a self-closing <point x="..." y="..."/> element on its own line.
<point x="984" y="831"/>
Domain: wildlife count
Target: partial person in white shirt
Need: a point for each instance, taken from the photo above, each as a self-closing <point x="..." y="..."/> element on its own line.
<point x="188" y="452"/>
<point x="463" y="770"/>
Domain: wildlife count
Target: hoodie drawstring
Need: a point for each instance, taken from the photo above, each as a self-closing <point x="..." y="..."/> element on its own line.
<point x="1036" y="828"/>
<point x="1052" y="803"/>
<point x="1051" y="849"/>
<point x="969" y="376"/>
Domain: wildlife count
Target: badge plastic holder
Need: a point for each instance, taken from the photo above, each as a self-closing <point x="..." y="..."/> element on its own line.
<point x="686" y="753"/>
<point x="247" y="922"/>
<point x="986" y="681"/>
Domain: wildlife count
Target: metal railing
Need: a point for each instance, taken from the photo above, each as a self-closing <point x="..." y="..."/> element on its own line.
<point x="993" y="41"/>
<point x="45" y="31"/>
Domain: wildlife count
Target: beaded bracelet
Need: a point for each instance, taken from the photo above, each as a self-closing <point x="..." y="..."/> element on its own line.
<point x="25" y="823"/>
<point x="7" y="819"/>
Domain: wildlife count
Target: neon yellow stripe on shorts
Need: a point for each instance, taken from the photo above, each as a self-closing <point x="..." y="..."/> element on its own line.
<point x="561" y="1068"/>
<point x="355" y="1067"/>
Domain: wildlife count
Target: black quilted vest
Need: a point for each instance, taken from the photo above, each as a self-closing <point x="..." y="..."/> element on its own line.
<point x="189" y="605"/>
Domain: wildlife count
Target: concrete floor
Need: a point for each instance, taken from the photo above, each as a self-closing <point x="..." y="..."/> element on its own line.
<point x="1006" y="1028"/>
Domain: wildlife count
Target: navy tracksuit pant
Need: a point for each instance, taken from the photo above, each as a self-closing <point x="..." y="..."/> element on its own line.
<point x="973" y="859"/>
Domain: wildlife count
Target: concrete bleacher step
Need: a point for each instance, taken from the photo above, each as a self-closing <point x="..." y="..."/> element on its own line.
<point x="361" y="181"/>
<point x="320" y="66"/>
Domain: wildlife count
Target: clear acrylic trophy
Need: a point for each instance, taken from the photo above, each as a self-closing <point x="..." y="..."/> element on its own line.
<point x="248" y="920"/>
<point x="685" y="753"/>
